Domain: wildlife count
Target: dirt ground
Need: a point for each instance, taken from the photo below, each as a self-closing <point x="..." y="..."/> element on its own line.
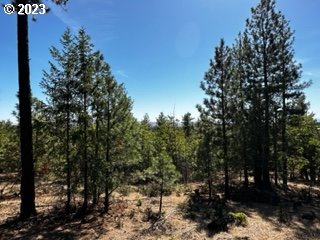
<point x="126" y="219"/>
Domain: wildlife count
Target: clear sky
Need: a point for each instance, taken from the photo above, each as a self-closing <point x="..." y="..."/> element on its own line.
<point x="159" y="49"/>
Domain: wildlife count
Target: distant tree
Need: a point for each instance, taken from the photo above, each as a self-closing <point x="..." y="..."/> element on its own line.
<point x="41" y="139"/>
<point x="9" y="147"/>
<point x="161" y="120"/>
<point x="187" y="124"/>
<point x="303" y="146"/>
<point x="146" y="150"/>
<point x="146" y="121"/>
<point x="206" y="157"/>
<point x="162" y="170"/>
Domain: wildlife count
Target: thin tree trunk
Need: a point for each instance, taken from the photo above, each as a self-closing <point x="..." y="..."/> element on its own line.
<point x="283" y="138"/>
<point x="95" y="186"/>
<point x="225" y="150"/>
<point x="210" y="187"/>
<point x="275" y="150"/>
<point x="85" y="157"/>
<point x="161" y="195"/>
<point x="106" y="190"/>
<point x="27" y="188"/>
<point x="106" y="202"/>
<point x="68" y="154"/>
<point x="245" y="162"/>
<point x="258" y="141"/>
<point x="266" y="142"/>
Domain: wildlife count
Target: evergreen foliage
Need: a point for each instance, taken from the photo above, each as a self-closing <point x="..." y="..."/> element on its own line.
<point x="253" y="120"/>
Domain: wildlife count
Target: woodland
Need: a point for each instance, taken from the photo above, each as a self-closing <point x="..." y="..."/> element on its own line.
<point x="79" y="165"/>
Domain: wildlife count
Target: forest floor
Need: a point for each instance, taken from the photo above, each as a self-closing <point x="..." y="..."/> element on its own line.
<point x="127" y="217"/>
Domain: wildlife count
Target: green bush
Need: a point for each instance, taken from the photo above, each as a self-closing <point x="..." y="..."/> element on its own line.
<point x="139" y="203"/>
<point x="150" y="190"/>
<point x="239" y="218"/>
<point x="179" y="189"/>
<point x="124" y="190"/>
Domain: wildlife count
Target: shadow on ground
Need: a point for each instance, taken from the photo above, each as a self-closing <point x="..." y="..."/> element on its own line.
<point x="54" y="225"/>
<point x="297" y="209"/>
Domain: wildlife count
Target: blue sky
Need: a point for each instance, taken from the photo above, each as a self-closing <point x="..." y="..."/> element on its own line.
<point x="159" y="49"/>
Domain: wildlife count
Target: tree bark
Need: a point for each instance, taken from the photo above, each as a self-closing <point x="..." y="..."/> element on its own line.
<point x="27" y="188"/>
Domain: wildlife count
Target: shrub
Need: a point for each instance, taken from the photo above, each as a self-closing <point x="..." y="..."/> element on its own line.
<point x="124" y="190"/>
<point x="179" y="190"/>
<point x="119" y="223"/>
<point x="150" y="190"/>
<point x="139" y="203"/>
<point x="239" y="218"/>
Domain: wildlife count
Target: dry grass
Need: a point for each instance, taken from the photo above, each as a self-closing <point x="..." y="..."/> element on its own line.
<point x="126" y="220"/>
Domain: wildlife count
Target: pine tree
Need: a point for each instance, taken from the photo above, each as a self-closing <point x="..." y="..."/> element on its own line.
<point x="205" y="152"/>
<point x="187" y="124"/>
<point x="101" y="71"/>
<point x="291" y="89"/>
<point x="216" y="85"/>
<point x="276" y="74"/>
<point x="261" y="28"/>
<point x="9" y="147"/>
<point x="85" y="75"/>
<point x="117" y="121"/>
<point x="60" y="86"/>
<point x="241" y="74"/>
<point x="163" y="170"/>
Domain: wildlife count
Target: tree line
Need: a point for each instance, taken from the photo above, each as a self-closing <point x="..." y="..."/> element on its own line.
<point x="254" y="121"/>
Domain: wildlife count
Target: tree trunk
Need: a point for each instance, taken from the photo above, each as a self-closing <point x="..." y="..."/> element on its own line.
<point x="275" y="149"/>
<point x="283" y="137"/>
<point x="161" y="195"/>
<point x="106" y="202"/>
<point x="106" y="198"/>
<point x="225" y="150"/>
<point x="210" y="187"/>
<point x="245" y="162"/>
<point x="68" y="155"/>
<point x="266" y="142"/>
<point x="27" y="188"/>
<point x="275" y="146"/>
<point x="95" y="185"/>
<point x="85" y="157"/>
<point x="257" y="139"/>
